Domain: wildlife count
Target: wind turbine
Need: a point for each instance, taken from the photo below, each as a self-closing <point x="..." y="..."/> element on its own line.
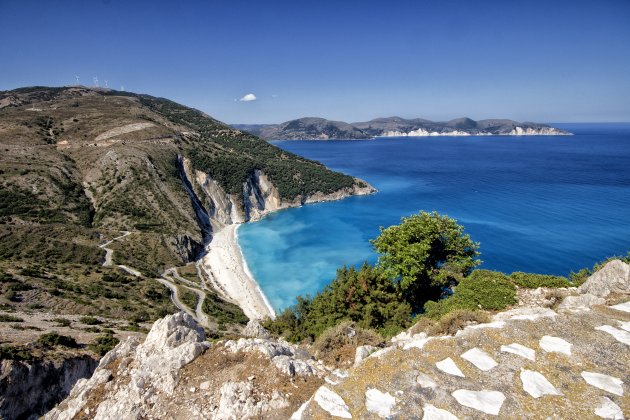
<point x="77" y="77"/>
<point x="106" y="84"/>
<point x="95" y="78"/>
<point x="122" y="88"/>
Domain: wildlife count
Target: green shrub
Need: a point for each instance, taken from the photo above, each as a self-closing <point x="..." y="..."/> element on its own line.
<point x="53" y="339"/>
<point x="188" y="297"/>
<point x="483" y="289"/>
<point x="10" y="318"/>
<point x="101" y="345"/>
<point x="534" y="281"/>
<point x="90" y="320"/>
<point x="15" y="353"/>
<point x="62" y="322"/>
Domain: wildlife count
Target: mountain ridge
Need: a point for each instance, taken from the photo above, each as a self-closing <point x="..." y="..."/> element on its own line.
<point x="315" y="128"/>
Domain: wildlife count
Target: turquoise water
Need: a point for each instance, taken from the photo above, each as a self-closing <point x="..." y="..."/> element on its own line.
<point x="540" y="204"/>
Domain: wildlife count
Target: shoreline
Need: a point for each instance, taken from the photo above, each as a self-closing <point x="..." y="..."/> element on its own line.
<point x="225" y="264"/>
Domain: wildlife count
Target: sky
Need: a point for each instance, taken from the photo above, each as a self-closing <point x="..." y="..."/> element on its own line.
<point x="272" y="61"/>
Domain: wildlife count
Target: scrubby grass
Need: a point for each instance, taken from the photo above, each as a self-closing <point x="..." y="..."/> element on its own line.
<point x="338" y="344"/>
<point x="10" y="318"/>
<point x="457" y="320"/>
<point x="15" y="353"/>
<point x="223" y="312"/>
<point x="101" y="345"/>
<point x="483" y="289"/>
<point x="90" y="320"/>
<point x="54" y="339"/>
<point x="534" y="281"/>
<point x="188" y="297"/>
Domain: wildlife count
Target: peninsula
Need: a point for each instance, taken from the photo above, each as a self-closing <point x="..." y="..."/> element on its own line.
<point x="323" y="129"/>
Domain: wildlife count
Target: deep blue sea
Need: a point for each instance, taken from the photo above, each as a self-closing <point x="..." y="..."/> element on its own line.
<point x="539" y="204"/>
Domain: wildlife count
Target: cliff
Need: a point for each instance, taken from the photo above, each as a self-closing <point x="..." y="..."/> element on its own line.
<point x="321" y="129"/>
<point x="530" y="361"/>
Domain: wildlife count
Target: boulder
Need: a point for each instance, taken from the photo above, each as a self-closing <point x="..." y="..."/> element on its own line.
<point x="614" y="277"/>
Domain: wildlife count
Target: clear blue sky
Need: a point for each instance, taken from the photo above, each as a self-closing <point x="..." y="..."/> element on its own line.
<point x="347" y="60"/>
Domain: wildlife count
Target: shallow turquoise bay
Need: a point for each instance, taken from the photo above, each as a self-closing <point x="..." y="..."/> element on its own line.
<point x="539" y="204"/>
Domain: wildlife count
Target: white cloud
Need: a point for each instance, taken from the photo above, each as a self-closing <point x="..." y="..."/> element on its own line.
<point x="248" y="98"/>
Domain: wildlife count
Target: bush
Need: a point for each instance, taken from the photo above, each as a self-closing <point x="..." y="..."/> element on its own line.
<point x="15" y="353"/>
<point x="364" y="296"/>
<point x="534" y="281"/>
<point x="53" y="339"/>
<point x="101" y="345"/>
<point x="10" y="318"/>
<point x="338" y="344"/>
<point x="483" y="289"/>
<point x="62" y="322"/>
<point x="90" y="320"/>
<point x="457" y="320"/>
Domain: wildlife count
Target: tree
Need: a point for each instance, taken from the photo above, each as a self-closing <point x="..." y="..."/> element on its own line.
<point x="424" y="254"/>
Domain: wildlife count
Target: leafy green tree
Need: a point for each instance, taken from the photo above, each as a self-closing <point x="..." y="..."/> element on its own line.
<point x="425" y="253"/>
<point x="365" y="296"/>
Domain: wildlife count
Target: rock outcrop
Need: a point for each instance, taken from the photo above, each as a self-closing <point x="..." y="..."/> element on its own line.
<point x="527" y="362"/>
<point x="32" y="388"/>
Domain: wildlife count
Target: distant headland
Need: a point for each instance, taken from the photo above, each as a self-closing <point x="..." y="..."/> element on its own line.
<point x="322" y="129"/>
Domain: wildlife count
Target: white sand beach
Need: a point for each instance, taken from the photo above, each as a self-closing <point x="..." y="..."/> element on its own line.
<point x="225" y="265"/>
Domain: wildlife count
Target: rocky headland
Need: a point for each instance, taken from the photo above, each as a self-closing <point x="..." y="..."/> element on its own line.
<point x="564" y="358"/>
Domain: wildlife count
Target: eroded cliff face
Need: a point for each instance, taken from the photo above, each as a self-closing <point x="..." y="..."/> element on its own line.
<point x="259" y="197"/>
<point x="29" y="389"/>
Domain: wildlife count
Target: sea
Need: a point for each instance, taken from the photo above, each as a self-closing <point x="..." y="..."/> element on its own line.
<point x="543" y="204"/>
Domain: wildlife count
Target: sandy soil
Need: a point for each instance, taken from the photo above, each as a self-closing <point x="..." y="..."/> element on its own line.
<point x="225" y="264"/>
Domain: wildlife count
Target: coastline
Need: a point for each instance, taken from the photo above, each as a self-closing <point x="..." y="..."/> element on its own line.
<point x="226" y="266"/>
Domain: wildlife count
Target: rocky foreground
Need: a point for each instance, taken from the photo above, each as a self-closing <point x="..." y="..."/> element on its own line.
<point x="529" y="362"/>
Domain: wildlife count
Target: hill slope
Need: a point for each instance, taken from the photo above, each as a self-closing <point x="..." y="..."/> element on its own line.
<point x="102" y="191"/>
<point x="322" y="129"/>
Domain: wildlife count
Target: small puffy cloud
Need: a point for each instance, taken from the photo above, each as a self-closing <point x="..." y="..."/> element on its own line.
<point x="248" y="98"/>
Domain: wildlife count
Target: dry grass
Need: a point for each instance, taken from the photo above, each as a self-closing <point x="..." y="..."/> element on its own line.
<point x="458" y="320"/>
<point x="423" y="325"/>
<point x="337" y="345"/>
<point x="554" y="297"/>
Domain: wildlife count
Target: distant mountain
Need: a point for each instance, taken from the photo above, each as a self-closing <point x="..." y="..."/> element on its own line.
<point x="322" y="129"/>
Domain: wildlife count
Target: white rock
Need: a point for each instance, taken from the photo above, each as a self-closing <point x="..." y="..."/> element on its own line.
<point x="299" y="412"/>
<point x="204" y="385"/>
<point x="612" y="277"/>
<point x="448" y="365"/>
<point x="625" y="325"/>
<point x="379" y="403"/>
<point x="605" y="382"/>
<point x="619" y="335"/>
<point x="417" y="341"/>
<point x="555" y="344"/>
<point x="494" y="324"/>
<point x="525" y="314"/>
<point x="425" y="380"/>
<point x="608" y="410"/>
<point x="625" y="307"/>
<point x="580" y="303"/>
<point x="520" y="350"/>
<point x="362" y="352"/>
<point x="433" y="413"/>
<point x="488" y="402"/>
<point x="479" y="358"/>
<point x="332" y="403"/>
<point x="536" y="385"/>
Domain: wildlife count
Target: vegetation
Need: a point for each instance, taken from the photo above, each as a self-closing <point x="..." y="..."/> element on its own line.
<point x="90" y="320"/>
<point x="424" y="254"/>
<point x="10" y="318"/>
<point x="534" y="281"/>
<point x="16" y="353"/>
<point x="224" y="312"/>
<point x="483" y="289"/>
<point x="364" y="296"/>
<point x="338" y="344"/>
<point x="457" y="320"/>
<point x="53" y="339"/>
<point x="104" y="343"/>
<point x="188" y="297"/>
